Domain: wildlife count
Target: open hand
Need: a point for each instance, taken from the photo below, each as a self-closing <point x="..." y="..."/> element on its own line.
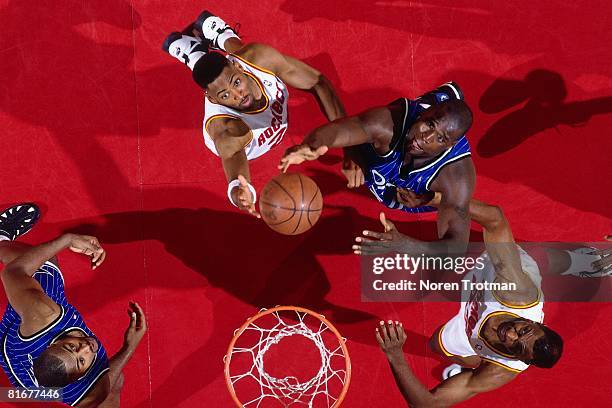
<point x="353" y="173"/>
<point x="90" y="246"/>
<point x="391" y="337"/>
<point x="373" y="243"/>
<point x="243" y="198"/>
<point x="411" y="199"/>
<point x="300" y="153"/>
<point x="137" y="328"/>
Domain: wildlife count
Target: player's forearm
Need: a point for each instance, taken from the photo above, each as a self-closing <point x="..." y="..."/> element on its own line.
<point x="341" y="133"/>
<point x="330" y="104"/>
<point x="117" y="362"/>
<point x="235" y="165"/>
<point x="453" y="225"/>
<point x="488" y="216"/>
<point x="29" y="262"/>
<point x="415" y="394"/>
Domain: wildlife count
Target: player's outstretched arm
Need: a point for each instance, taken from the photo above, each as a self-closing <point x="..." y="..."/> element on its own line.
<point x="456" y="182"/>
<point x="299" y="75"/>
<point x="230" y="137"/>
<point x="25" y="294"/>
<point x="500" y="246"/>
<point x="391" y="338"/>
<point x="371" y="126"/>
<point x="107" y="390"/>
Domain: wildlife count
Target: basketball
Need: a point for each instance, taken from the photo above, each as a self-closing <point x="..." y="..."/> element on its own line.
<point x="291" y="203"/>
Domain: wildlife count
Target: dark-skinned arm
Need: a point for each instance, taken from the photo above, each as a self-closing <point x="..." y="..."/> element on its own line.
<point x="455" y="181"/>
<point x="391" y="338"/>
<point x="501" y="249"/>
<point x="25" y="294"/>
<point x="100" y="395"/>
<point x="230" y="137"/>
<point x="372" y="126"/>
<point x="299" y="75"/>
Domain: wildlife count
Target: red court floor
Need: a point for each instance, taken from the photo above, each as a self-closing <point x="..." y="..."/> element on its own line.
<point x="103" y="130"/>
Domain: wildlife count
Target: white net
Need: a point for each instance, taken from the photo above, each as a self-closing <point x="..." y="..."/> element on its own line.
<point x="323" y="389"/>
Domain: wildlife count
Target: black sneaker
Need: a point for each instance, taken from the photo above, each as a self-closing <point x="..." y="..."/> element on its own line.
<point x="18" y="220"/>
<point x="211" y="26"/>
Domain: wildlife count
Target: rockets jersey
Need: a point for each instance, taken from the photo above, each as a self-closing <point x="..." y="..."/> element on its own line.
<point x="19" y="352"/>
<point x="267" y="125"/>
<point x="477" y="306"/>
<point x="383" y="174"/>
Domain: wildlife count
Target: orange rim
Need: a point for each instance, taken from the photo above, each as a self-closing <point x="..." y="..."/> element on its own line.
<point x="228" y="356"/>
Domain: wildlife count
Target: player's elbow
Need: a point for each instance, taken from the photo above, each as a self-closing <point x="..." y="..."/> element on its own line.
<point x="431" y="402"/>
<point x="496" y="218"/>
<point x="12" y="269"/>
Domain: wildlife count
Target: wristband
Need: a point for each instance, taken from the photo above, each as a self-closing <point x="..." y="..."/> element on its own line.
<point x="236" y="183"/>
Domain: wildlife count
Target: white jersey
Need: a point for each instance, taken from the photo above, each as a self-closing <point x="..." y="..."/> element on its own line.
<point x="461" y="336"/>
<point x="267" y="125"/>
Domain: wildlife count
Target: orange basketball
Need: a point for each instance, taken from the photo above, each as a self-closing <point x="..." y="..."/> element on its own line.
<point x="291" y="203"/>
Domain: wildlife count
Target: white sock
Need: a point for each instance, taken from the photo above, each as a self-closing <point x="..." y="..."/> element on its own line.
<point x="195" y="57"/>
<point x="224" y="36"/>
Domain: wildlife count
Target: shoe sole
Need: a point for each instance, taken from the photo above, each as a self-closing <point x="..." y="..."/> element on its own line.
<point x="35" y="217"/>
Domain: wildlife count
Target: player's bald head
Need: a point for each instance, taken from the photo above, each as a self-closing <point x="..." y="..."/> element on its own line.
<point x="457" y="114"/>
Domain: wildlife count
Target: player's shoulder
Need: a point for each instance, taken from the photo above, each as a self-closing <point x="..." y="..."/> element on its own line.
<point x="97" y="394"/>
<point x="226" y="125"/>
<point x="461" y="169"/>
<point x="260" y="55"/>
<point x="489" y="376"/>
<point x="41" y="314"/>
<point x="447" y="91"/>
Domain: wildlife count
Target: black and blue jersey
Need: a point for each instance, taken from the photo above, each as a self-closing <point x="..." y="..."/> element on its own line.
<point x="19" y="352"/>
<point x="385" y="173"/>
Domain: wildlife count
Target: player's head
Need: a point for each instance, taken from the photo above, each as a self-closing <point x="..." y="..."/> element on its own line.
<point x="439" y="127"/>
<point x="531" y="342"/>
<point x="224" y="81"/>
<point x="65" y="360"/>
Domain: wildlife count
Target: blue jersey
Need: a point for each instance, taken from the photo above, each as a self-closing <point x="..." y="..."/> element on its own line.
<point x="18" y="351"/>
<point x="384" y="173"/>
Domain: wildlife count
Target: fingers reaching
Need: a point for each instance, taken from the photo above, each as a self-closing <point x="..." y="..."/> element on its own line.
<point x="320" y="151"/>
<point x="390" y="335"/>
<point x="389" y="226"/>
<point x="383" y="330"/>
<point x="137" y="317"/>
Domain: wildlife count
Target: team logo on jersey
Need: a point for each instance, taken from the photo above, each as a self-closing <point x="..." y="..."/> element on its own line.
<point x="379" y="180"/>
<point x="267" y="83"/>
<point x="272" y="135"/>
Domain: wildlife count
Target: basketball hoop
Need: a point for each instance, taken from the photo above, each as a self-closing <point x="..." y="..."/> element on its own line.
<point x="248" y="367"/>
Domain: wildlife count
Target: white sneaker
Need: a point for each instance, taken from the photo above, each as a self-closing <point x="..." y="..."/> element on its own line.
<point x="184" y="48"/>
<point x="214" y="29"/>
<point x="582" y="263"/>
